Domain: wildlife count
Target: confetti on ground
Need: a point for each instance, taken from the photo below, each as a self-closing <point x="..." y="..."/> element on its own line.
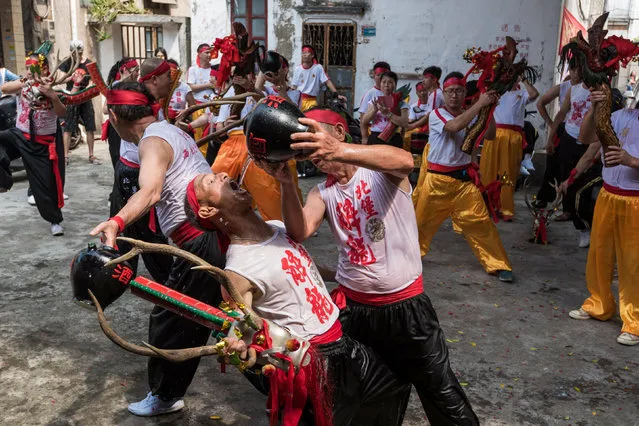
<point x="595" y="361"/>
<point x="516" y="379"/>
<point x="452" y="340"/>
<point x="473" y="344"/>
<point x="464" y="384"/>
<point x="569" y="353"/>
<point x="626" y="368"/>
<point x="496" y="305"/>
<point x="215" y="417"/>
<point x="567" y="418"/>
<point x="501" y="385"/>
<point x="534" y="349"/>
<point x="577" y="389"/>
<point x="460" y="332"/>
<point x="594" y="413"/>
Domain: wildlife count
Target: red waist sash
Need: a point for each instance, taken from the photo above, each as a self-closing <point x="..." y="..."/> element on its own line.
<point x="330" y="336"/>
<point x="340" y="294"/>
<point x="129" y="163"/>
<point x="49" y="140"/>
<point x="517" y="129"/>
<point x="622" y="192"/>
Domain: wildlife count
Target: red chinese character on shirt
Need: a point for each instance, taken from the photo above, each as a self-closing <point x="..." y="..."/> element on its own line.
<point x="368" y="207"/>
<point x="123" y="274"/>
<point x="578" y="110"/>
<point x="321" y="306"/>
<point x="347" y="216"/>
<point x="362" y="189"/>
<point x="360" y="253"/>
<point x="293" y="266"/>
<point x="299" y="247"/>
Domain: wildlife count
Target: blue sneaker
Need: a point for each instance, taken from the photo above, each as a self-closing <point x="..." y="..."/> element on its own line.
<point x="152" y="405"/>
<point x="505" y="276"/>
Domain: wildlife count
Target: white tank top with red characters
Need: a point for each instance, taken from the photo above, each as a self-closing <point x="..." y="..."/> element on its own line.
<point x="625" y="122"/>
<point x="187" y="163"/>
<point x="293" y="294"/>
<point x="373" y="222"/>
<point x="579" y="106"/>
<point x="45" y="120"/>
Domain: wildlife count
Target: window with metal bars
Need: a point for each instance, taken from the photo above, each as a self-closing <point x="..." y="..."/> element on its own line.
<point x="334" y="45"/>
<point x="140" y="42"/>
<point x="253" y="15"/>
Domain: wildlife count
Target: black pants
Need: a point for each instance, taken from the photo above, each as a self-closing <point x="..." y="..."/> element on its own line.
<point x="409" y="339"/>
<point x="553" y="172"/>
<point x="569" y="154"/>
<point x="395" y="140"/>
<point x="114" y="144"/>
<point x="170" y="331"/>
<point x="124" y="186"/>
<point x="365" y="390"/>
<point x="39" y="169"/>
<point x="585" y="205"/>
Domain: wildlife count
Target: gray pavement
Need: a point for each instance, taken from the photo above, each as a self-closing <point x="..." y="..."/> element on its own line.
<point x="518" y="356"/>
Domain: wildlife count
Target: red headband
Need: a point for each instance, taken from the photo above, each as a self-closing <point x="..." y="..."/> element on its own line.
<point x="454" y="81"/>
<point x="431" y="76"/>
<point x="161" y="69"/>
<point x="419" y="86"/>
<point x="191" y="198"/>
<point x="328" y="117"/>
<point x="31" y="61"/>
<point x="129" y="64"/>
<point x="308" y="50"/>
<point x="126" y="97"/>
<point x="380" y="70"/>
<point x="204" y="48"/>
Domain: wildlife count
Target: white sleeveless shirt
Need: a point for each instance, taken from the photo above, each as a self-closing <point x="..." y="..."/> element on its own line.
<point x="187" y="163"/>
<point x="625" y="122"/>
<point x="129" y="151"/>
<point x="563" y="89"/>
<point x="293" y="292"/>
<point x="373" y="222"/>
<point x="579" y="106"/>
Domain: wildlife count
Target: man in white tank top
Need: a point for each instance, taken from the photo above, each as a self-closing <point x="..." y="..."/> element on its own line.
<point x="367" y="202"/>
<point x="572" y="112"/>
<point x="169" y="159"/>
<point x="614" y="228"/>
<point x="276" y="276"/>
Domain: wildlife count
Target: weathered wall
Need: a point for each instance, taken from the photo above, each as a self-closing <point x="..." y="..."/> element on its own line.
<point x="410" y="34"/>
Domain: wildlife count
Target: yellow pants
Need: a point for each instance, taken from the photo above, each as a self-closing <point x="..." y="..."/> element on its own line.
<point x="614" y="236"/>
<point x="198" y="132"/>
<point x="422" y="175"/>
<point x="502" y="156"/>
<point x="443" y="196"/>
<point x="308" y="103"/>
<point x="264" y="188"/>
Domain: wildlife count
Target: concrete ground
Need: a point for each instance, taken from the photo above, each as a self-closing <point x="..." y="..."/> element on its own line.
<point x="521" y="360"/>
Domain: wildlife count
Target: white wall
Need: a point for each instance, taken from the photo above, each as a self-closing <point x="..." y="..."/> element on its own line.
<point x="411" y="34"/>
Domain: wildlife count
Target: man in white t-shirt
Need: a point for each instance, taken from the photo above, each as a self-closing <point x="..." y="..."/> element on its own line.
<point x="202" y="84"/>
<point x="450" y="188"/>
<point x="366" y="201"/>
<point x="309" y="77"/>
<point x="371" y="94"/>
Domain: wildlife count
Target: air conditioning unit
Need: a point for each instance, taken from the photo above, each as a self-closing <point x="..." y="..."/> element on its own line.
<point x="49" y="29"/>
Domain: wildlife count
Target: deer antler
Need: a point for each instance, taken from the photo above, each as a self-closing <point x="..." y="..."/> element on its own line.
<point x="174" y="355"/>
<point x="238" y="99"/>
<point x="140" y="247"/>
<point x="530" y="207"/>
<point x="73" y="65"/>
<point x="559" y="196"/>
<point x="220" y="132"/>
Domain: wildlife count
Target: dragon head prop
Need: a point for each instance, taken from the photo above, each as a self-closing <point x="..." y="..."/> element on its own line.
<point x="599" y="57"/>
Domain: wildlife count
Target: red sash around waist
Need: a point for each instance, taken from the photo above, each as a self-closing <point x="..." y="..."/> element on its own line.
<point x="129" y="163"/>
<point x="330" y="336"/>
<point x="517" y="129"/>
<point x="340" y="294"/>
<point x="622" y="192"/>
<point x="49" y="140"/>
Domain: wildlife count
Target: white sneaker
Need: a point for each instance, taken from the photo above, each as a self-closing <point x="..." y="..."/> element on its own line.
<point x="57" y="229"/>
<point x="152" y="405"/>
<point x="628" y="339"/>
<point x="65" y="196"/>
<point x="584" y="239"/>
<point x="523" y="171"/>
<point x="579" y="314"/>
<point x="527" y="163"/>
<point x="31" y="200"/>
